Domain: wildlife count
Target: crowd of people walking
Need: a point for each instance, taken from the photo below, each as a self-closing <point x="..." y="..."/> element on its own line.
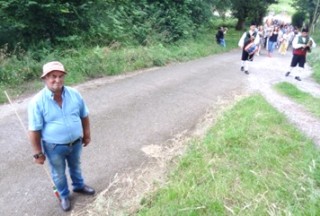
<point x="276" y="36"/>
<point x="273" y="37"/>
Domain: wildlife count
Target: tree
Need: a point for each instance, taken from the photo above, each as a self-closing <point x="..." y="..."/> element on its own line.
<point x="250" y="10"/>
<point x="298" y="19"/>
<point x="311" y="8"/>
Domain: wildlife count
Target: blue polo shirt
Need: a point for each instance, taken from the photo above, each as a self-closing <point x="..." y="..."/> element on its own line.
<point x="59" y="125"/>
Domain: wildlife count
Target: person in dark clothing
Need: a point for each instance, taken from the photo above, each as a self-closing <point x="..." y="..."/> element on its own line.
<point x="272" y="41"/>
<point x="220" y="36"/>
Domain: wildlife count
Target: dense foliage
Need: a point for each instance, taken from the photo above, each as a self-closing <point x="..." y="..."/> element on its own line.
<point x="48" y="23"/>
<point x="68" y="22"/>
<point x="33" y="21"/>
<point x="82" y="33"/>
<point x="298" y="19"/>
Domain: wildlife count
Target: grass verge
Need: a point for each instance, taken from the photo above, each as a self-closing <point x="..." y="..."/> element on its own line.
<point x="311" y="103"/>
<point x="252" y="162"/>
<point x="21" y="75"/>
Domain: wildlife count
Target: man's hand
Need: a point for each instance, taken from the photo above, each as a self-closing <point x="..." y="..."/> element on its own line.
<point x="86" y="141"/>
<point x="86" y="131"/>
<point x="40" y="160"/>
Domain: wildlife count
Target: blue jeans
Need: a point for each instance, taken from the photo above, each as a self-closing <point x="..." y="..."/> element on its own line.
<point x="59" y="156"/>
<point x="222" y="42"/>
<point x="271" y="46"/>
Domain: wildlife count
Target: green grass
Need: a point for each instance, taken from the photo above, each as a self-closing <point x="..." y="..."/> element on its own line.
<point x="21" y="75"/>
<point x="252" y="162"/>
<point x="311" y="103"/>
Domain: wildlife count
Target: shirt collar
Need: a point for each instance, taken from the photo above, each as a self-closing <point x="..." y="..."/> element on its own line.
<point x="50" y="94"/>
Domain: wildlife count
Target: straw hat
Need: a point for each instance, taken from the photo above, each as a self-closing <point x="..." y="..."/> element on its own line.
<point x="52" y="66"/>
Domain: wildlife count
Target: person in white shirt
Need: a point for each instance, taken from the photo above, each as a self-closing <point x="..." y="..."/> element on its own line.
<point x="301" y="45"/>
<point x="249" y="42"/>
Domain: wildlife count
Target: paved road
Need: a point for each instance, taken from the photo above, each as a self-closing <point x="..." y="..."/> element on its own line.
<point x="127" y="113"/>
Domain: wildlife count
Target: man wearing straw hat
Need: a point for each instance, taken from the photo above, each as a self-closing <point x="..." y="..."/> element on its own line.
<point x="58" y="126"/>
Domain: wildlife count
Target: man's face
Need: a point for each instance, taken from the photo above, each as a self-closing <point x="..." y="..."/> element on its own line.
<point x="54" y="81"/>
<point x="252" y="27"/>
<point x="304" y="34"/>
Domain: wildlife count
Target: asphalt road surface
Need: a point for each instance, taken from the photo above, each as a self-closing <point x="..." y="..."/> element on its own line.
<point x="127" y="113"/>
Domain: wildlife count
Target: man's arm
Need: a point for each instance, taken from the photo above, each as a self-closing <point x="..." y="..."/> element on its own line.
<point x="241" y="41"/>
<point x="35" y="139"/>
<point x="86" y="130"/>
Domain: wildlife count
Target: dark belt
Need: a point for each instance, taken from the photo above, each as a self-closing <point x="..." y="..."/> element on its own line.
<point x="73" y="142"/>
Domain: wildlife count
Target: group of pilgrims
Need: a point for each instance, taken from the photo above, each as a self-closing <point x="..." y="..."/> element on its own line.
<point x="275" y="36"/>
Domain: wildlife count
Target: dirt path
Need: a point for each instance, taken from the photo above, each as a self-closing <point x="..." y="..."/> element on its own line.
<point x="140" y="122"/>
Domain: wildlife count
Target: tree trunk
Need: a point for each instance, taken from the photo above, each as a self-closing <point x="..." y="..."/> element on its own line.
<point x="240" y="24"/>
<point x="315" y="16"/>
